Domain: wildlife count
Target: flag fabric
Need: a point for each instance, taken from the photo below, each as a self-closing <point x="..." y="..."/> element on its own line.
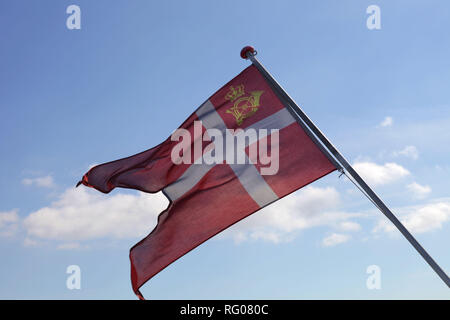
<point x="207" y="197"/>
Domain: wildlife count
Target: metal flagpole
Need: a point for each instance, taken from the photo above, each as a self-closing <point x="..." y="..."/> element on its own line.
<point x="249" y="53"/>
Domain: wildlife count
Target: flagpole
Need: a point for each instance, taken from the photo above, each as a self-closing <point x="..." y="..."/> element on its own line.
<point x="250" y="53"/>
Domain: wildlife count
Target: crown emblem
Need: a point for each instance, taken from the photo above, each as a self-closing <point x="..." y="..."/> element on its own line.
<point x="243" y="106"/>
<point x="235" y="93"/>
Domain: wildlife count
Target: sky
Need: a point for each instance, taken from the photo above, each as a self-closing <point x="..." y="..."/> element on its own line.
<point x="73" y="98"/>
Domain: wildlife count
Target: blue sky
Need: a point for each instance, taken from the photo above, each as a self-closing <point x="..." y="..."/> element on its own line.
<point x="135" y="70"/>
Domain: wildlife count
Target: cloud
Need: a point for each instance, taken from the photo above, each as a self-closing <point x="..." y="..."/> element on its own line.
<point x="84" y="214"/>
<point x="45" y="182"/>
<point x="27" y="242"/>
<point x="349" y="226"/>
<point x="419" y="219"/>
<point x="375" y="174"/>
<point x="387" y="122"/>
<point x="8" y="223"/>
<point x="91" y="166"/>
<point x="418" y="190"/>
<point x="69" y="246"/>
<point x="408" y="151"/>
<point x="282" y="220"/>
<point x="335" y="239"/>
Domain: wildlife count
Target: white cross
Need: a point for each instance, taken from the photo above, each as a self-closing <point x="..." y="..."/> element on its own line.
<point x="248" y="175"/>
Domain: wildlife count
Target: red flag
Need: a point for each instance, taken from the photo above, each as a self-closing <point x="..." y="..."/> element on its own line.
<point x="207" y="197"/>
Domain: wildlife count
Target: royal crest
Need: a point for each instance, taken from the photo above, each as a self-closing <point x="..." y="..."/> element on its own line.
<point x="244" y="106"/>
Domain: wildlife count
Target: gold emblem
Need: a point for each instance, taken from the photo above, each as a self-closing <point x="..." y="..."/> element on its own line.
<point x="244" y="105"/>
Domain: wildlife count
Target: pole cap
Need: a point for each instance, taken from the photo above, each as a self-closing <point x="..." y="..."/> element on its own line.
<point x="247" y="49"/>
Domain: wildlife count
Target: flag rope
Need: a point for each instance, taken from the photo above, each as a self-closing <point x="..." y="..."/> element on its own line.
<point x="360" y="189"/>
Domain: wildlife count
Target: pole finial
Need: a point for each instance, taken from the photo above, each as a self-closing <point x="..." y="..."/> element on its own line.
<point x="247" y="49"/>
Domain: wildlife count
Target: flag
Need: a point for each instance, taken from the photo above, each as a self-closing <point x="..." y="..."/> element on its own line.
<point x="241" y="150"/>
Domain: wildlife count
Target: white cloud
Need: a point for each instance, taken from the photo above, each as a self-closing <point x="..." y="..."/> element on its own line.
<point x="83" y="214"/>
<point x="387" y="122"/>
<point x="45" y="182"/>
<point x="27" y="242"/>
<point x="335" y="239"/>
<point x="375" y="174"/>
<point x="409" y="152"/>
<point x="69" y="246"/>
<point x="265" y="235"/>
<point x="349" y="226"/>
<point x="419" y="219"/>
<point x="418" y="190"/>
<point x="281" y="221"/>
<point x="92" y="165"/>
<point x="8" y="223"/>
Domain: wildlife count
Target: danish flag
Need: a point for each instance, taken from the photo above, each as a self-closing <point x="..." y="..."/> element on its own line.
<point x="208" y="197"/>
